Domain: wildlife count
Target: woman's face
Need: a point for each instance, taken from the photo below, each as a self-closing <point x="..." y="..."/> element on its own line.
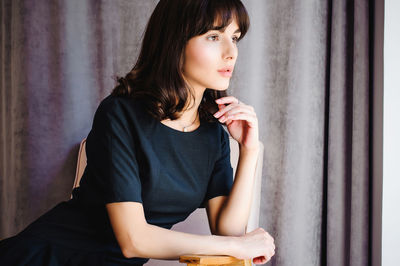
<point x="210" y="58"/>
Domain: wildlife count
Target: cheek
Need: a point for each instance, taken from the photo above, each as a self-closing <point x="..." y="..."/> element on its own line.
<point x="200" y="56"/>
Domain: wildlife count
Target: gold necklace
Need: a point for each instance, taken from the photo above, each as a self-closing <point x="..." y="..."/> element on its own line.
<point x="185" y="129"/>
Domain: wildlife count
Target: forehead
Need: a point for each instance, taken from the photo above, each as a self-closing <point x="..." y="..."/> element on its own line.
<point x="223" y="18"/>
<point x="232" y="24"/>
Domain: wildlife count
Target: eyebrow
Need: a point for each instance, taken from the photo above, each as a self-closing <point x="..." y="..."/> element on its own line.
<point x="220" y="29"/>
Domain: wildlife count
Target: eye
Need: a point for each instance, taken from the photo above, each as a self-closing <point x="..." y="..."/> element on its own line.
<point x="235" y="39"/>
<point x="213" y="37"/>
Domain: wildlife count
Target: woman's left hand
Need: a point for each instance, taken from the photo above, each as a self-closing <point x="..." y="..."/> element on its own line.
<point x="241" y="121"/>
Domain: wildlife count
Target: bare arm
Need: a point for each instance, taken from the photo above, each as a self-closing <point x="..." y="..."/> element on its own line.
<point x="229" y="215"/>
<point x="137" y="238"/>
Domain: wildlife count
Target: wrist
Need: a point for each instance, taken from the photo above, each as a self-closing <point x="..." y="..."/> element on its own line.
<point x="249" y="150"/>
<point x="224" y="245"/>
<point x="232" y="245"/>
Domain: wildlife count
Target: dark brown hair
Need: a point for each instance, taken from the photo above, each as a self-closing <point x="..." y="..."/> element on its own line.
<point x="156" y="77"/>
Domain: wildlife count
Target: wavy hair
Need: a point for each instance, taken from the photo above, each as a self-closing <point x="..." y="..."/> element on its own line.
<point x="156" y="78"/>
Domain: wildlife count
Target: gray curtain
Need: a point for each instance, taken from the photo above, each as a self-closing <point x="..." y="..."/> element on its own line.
<point x="304" y="66"/>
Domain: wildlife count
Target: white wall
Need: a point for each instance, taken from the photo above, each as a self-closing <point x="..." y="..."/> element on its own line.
<point x="391" y="137"/>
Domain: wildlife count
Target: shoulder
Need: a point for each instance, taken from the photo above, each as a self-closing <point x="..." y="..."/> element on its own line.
<point x="115" y="103"/>
<point x="219" y="131"/>
<point x="215" y="126"/>
<point x="218" y="137"/>
<point x="119" y="106"/>
<point x="119" y="114"/>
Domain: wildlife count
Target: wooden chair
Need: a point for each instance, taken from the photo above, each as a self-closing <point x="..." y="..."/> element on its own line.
<point x="197" y="222"/>
<point x="193" y="260"/>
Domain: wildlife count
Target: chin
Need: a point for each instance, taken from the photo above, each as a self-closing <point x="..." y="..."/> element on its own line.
<point x="222" y="87"/>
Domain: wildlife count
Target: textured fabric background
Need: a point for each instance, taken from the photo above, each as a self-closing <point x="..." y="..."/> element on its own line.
<point x="304" y="66"/>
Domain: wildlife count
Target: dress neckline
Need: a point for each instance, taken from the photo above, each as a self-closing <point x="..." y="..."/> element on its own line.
<point x="172" y="130"/>
<point x="175" y="131"/>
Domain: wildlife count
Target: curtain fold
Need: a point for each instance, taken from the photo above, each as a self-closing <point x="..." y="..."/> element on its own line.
<point x="304" y="66"/>
<point x="348" y="136"/>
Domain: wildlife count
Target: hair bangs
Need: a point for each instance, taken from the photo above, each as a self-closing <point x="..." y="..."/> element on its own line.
<point x="217" y="15"/>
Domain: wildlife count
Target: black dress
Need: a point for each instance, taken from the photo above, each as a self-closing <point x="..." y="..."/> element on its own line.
<point x="130" y="157"/>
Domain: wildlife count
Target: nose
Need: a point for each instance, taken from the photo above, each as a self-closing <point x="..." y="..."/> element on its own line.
<point x="229" y="50"/>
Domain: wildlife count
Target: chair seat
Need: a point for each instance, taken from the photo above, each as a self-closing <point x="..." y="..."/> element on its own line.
<point x="191" y="260"/>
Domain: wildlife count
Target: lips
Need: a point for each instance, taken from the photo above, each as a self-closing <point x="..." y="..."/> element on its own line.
<point x="226" y="69"/>
<point x="226" y="72"/>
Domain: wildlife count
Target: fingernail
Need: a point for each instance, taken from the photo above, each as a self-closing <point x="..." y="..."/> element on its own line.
<point x="217" y="114"/>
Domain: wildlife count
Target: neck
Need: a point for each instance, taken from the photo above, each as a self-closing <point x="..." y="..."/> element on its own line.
<point x="189" y="115"/>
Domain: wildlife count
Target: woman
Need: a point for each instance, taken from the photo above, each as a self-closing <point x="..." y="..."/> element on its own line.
<point x="157" y="151"/>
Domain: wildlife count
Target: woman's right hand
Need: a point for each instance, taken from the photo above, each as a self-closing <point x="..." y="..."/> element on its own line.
<point x="257" y="245"/>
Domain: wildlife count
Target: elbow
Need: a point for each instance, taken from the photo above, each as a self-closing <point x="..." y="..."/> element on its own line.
<point x="230" y="230"/>
<point x="133" y="251"/>
<point x="231" y="226"/>
<point x="130" y="251"/>
<point x="136" y="246"/>
<point x="128" y="254"/>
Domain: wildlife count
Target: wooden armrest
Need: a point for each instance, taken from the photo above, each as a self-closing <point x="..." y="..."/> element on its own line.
<point x="193" y="260"/>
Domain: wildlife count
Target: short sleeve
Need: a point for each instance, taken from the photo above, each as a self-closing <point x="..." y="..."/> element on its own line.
<point x="111" y="155"/>
<point x="221" y="180"/>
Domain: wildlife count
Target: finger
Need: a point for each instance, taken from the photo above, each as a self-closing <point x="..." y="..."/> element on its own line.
<point x="260" y="260"/>
<point x="227" y="99"/>
<point x="222" y="111"/>
<point x="241" y="116"/>
<point x="221" y="107"/>
<point x="225" y="120"/>
<point x="230" y="107"/>
<point x="236" y="106"/>
<point x="236" y="110"/>
<point x="252" y="120"/>
<point x="228" y="122"/>
<point x="271" y="253"/>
